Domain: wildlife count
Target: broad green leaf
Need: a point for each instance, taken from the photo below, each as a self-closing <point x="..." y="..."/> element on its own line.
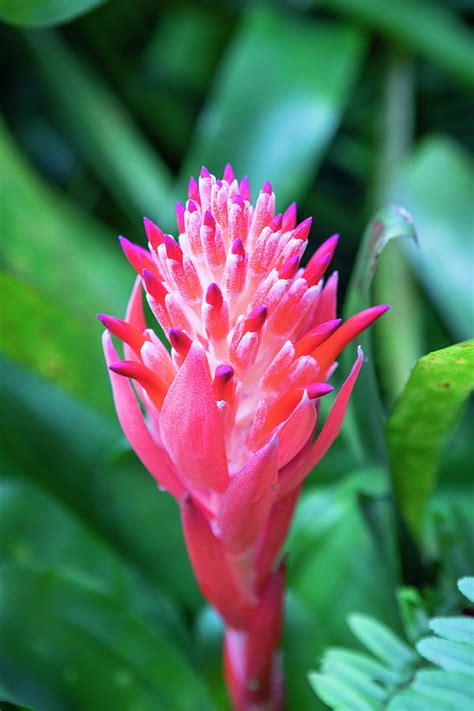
<point x="301" y="629"/>
<point x="421" y="421"/>
<point x="449" y="516"/>
<point x="381" y="641"/>
<point x="390" y="223"/>
<point x="400" y="336"/>
<point x="73" y="453"/>
<point x="442" y="210"/>
<point x="13" y="698"/>
<point x="427" y="28"/>
<point x="180" y="30"/>
<point x="466" y="586"/>
<point x="36" y="531"/>
<point x="277" y="131"/>
<point x="40" y="335"/>
<point x="50" y="244"/>
<point x="208" y="640"/>
<point x="328" y="528"/>
<point x="451" y="656"/>
<point x="90" y="651"/>
<point x="458" y="689"/>
<point x="457" y="629"/>
<point x="44" y="13"/>
<point x="108" y="140"/>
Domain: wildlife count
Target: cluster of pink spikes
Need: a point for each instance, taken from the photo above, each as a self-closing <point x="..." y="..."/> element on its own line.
<point x="230" y="414"/>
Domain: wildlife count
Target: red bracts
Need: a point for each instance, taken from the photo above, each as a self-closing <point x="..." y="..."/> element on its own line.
<point x="230" y="413"/>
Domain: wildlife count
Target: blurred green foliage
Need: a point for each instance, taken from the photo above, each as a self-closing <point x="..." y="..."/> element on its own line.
<point x="107" y="108"/>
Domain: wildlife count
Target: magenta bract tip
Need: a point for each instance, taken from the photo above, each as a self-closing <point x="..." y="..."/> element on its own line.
<point x="214" y="295"/>
<point x="193" y="190"/>
<point x="368" y="316"/>
<point x="316" y="390"/>
<point x="180" y="217"/>
<point x="255" y="320"/>
<point x="327" y="247"/>
<point x="128" y="333"/>
<point x="208" y="219"/>
<point x="138" y="257"/>
<point x="315" y="270"/>
<point x="228" y="173"/>
<point x="275" y="224"/>
<point x="289" y="218"/>
<point x="238" y="247"/>
<point x="224" y="372"/>
<point x="244" y="189"/>
<point x="191" y="206"/>
<point x="154" y="235"/>
<point x="301" y="231"/>
<point x="173" y="250"/>
<point x="238" y="200"/>
<point x="179" y="340"/>
<point x="267" y="188"/>
<point x="154" y="286"/>
<point x="127" y="368"/>
<point x="204" y="172"/>
<point x="289" y="268"/>
<point x="327" y="326"/>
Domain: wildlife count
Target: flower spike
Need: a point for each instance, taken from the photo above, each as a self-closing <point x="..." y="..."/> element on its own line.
<point x="226" y="421"/>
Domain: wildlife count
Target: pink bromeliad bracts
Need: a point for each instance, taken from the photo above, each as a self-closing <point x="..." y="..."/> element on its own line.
<point x="230" y="415"/>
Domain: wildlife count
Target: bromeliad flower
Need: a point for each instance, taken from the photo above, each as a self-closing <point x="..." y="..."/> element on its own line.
<point x="230" y="415"/>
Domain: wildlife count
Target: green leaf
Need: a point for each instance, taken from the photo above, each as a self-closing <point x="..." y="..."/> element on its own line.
<point x="350" y="679"/>
<point x="73" y="453"/>
<point x="330" y="543"/>
<point x="207" y="640"/>
<point x="277" y="132"/>
<point x="54" y="247"/>
<point x="450" y="687"/>
<point x="44" y="13"/>
<point x="370" y="667"/>
<point x="442" y="210"/>
<point x="36" y="531"/>
<point x="451" y="656"/>
<point x="89" y="650"/>
<point x="300" y="631"/>
<point x="421" y="421"/>
<point x="382" y="642"/>
<point x="457" y="629"/>
<point x="108" y="140"/>
<point x="359" y="680"/>
<point x="339" y="695"/>
<point x="427" y="28"/>
<point x="411" y="701"/>
<point x="40" y="335"/>
<point x="13" y="698"/>
<point x="389" y="223"/>
<point x="466" y="586"/>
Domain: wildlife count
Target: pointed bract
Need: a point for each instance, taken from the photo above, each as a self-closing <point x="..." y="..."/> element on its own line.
<point x="191" y="426"/>
<point x="248" y="499"/>
<point x="214" y="574"/>
<point x="153" y="457"/>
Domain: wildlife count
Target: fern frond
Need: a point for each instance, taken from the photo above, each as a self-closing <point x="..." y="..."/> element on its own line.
<point x="397" y="677"/>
